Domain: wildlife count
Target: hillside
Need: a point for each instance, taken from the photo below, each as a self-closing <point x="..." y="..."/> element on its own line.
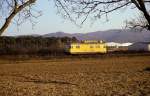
<point x="115" y="35"/>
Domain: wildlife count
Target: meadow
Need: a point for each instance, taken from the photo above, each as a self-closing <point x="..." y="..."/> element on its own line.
<point x="107" y="76"/>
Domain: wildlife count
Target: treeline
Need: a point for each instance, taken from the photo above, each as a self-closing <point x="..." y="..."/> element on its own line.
<point x="33" y="45"/>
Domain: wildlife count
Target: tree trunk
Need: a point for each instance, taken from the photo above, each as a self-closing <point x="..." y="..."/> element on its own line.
<point x="145" y="12"/>
<point x="147" y="16"/>
<point x="14" y="13"/>
<point x="7" y="22"/>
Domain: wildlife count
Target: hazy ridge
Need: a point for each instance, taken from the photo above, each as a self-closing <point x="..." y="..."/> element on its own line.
<point x="114" y="35"/>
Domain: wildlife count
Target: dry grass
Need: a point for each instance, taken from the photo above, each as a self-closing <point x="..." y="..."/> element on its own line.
<point x="116" y="76"/>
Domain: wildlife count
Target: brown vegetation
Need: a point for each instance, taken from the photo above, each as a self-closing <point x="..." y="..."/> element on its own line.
<point x="33" y="45"/>
<point x="115" y="76"/>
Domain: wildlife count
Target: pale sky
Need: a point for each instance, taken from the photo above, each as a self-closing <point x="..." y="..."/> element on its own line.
<point x="51" y="22"/>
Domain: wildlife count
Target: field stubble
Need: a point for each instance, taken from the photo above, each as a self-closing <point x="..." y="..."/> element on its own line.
<point x="116" y="76"/>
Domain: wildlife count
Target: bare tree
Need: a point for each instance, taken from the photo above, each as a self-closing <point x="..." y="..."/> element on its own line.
<point x="11" y="8"/>
<point x="139" y="22"/>
<point x="82" y="9"/>
<point x="72" y="9"/>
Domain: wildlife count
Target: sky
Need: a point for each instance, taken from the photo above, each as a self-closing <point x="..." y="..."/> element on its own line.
<point x="51" y="22"/>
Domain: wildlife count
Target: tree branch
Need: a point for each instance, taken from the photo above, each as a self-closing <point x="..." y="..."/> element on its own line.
<point x="16" y="10"/>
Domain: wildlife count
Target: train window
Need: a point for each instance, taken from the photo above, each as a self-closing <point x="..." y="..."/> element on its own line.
<point x="71" y="47"/>
<point x="97" y="46"/>
<point x="78" y="46"/>
<point x="91" y="46"/>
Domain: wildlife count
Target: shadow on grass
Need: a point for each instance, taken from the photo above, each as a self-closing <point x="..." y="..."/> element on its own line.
<point x="42" y="81"/>
<point x="147" y="69"/>
<point x="49" y="82"/>
<point x="37" y="80"/>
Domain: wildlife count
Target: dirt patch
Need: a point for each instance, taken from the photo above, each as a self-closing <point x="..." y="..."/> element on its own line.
<point x="117" y="76"/>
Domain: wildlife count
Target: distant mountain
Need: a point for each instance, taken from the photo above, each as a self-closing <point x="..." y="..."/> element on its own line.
<point x="58" y="34"/>
<point x="116" y="35"/>
<point x="33" y="35"/>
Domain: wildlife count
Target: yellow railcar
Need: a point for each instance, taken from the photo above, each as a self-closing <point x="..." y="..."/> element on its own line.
<point x="86" y="47"/>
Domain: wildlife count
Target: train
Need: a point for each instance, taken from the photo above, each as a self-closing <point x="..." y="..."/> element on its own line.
<point x="86" y="47"/>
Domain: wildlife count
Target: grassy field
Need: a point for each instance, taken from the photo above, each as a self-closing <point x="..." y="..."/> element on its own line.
<point x="114" y="76"/>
